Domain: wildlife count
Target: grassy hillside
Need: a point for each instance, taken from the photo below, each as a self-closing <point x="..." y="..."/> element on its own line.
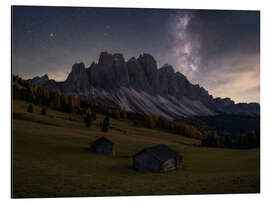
<point x="51" y="159"/>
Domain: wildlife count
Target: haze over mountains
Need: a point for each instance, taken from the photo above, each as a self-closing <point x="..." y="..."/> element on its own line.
<point x="138" y="85"/>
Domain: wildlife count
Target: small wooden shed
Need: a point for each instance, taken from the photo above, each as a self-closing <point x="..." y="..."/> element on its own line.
<point x="159" y="158"/>
<point x="102" y="146"/>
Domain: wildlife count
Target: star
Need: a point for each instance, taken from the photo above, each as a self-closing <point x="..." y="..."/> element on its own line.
<point x="52" y="35"/>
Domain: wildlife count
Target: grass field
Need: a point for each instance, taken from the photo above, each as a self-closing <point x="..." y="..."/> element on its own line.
<point x="51" y="159"/>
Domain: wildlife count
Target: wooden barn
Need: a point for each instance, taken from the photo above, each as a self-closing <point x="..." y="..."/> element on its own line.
<point x="102" y="146"/>
<point x="159" y="158"/>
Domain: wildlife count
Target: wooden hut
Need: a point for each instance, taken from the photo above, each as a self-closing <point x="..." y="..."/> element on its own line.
<point x="159" y="158"/>
<point x="102" y="146"/>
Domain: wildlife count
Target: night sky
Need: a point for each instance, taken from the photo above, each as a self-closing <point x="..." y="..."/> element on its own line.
<point x="220" y="50"/>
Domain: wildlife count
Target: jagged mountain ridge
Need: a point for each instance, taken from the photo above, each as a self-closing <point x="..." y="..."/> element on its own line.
<point x="138" y="85"/>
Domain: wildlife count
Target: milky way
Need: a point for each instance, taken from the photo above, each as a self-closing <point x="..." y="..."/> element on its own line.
<point x="185" y="49"/>
<point x="220" y="50"/>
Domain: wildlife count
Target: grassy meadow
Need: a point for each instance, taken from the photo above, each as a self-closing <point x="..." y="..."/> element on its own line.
<point x="51" y="159"/>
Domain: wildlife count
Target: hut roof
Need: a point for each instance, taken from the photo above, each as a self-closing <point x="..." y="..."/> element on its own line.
<point x="160" y="152"/>
<point x="102" y="140"/>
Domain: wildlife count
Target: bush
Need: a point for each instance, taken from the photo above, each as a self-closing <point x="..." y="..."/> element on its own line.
<point x="69" y="107"/>
<point x="30" y="108"/>
<point x="123" y="115"/>
<point x="43" y="111"/>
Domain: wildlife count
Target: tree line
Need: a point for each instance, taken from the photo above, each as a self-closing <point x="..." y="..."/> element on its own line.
<point x="247" y="140"/>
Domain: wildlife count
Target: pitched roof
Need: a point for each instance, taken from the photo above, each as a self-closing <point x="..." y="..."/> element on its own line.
<point x="160" y="152"/>
<point x="101" y="140"/>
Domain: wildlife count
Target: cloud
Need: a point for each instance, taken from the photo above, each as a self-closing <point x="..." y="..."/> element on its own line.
<point x="253" y="90"/>
<point x="239" y="86"/>
<point x="233" y="74"/>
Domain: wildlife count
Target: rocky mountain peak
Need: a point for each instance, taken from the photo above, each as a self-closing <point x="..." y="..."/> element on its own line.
<point x="166" y="68"/>
<point x="147" y="61"/>
<point x="180" y="76"/>
<point x="224" y="102"/>
<point x="105" y="59"/>
<point x="149" y="65"/>
<point x="45" y="77"/>
<point x="39" y="81"/>
<point x="137" y="85"/>
<point x="77" y="79"/>
<point x="134" y="63"/>
<point x="78" y="68"/>
<point x="118" y="58"/>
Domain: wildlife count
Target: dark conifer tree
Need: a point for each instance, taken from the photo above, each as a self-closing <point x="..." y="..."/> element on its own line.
<point x="43" y="111"/>
<point x="106" y="124"/>
<point x="94" y="116"/>
<point x="30" y="108"/>
<point x="88" y="120"/>
<point x="16" y="92"/>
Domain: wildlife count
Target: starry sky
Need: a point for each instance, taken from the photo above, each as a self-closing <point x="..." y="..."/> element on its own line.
<point x="220" y="50"/>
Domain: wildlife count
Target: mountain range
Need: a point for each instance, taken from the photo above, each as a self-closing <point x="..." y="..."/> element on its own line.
<point x="138" y="85"/>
